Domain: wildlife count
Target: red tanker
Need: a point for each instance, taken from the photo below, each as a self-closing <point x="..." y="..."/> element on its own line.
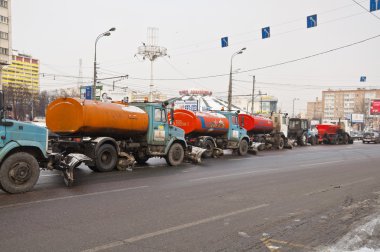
<point x="256" y="124"/>
<point x="201" y="123"/>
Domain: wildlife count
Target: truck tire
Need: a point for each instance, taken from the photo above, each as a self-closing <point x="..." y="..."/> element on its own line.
<point x="281" y="144"/>
<point x="209" y="146"/>
<point x="243" y="148"/>
<point x="175" y="155"/>
<point x="303" y="139"/>
<point x="106" y="158"/>
<point x="19" y="173"/>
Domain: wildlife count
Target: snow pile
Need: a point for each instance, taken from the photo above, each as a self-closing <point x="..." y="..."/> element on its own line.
<point x="365" y="238"/>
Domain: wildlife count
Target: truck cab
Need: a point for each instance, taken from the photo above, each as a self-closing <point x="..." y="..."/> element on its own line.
<point x="23" y="149"/>
<point x="237" y="138"/>
<point x="162" y="139"/>
<point x="299" y="130"/>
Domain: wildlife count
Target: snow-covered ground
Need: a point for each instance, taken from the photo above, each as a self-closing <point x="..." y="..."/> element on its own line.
<point x="365" y="238"/>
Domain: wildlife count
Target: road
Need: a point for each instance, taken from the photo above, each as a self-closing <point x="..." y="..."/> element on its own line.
<point x="305" y="199"/>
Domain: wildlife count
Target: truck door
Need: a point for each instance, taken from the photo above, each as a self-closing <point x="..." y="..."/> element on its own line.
<point x="2" y="133"/>
<point x="159" y="134"/>
<point x="235" y="132"/>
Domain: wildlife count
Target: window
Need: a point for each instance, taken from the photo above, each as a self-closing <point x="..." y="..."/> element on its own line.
<point x="160" y="115"/>
<point x="4" y="51"/>
<point x="4" y="20"/>
<point x="3" y="35"/>
<point x="4" y="3"/>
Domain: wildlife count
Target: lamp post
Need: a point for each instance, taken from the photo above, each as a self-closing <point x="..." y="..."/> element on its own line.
<point x="294" y="99"/>
<point x="107" y="33"/>
<point x="230" y="83"/>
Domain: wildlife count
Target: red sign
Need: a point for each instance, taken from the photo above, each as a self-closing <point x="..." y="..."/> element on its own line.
<point x="375" y="107"/>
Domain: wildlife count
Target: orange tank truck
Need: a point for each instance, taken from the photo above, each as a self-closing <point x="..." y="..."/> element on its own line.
<point x="72" y="116"/>
<point x="115" y="135"/>
<point x="212" y="131"/>
<point x="200" y="123"/>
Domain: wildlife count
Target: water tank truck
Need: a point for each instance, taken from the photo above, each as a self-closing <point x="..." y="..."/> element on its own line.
<point x="333" y="134"/>
<point x="214" y="131"/>
<point x="266" y="133"/>
<point x="116" y="135"/>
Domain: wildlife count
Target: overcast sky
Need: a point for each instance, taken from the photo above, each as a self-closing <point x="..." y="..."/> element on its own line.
<point x="59" y="33"/>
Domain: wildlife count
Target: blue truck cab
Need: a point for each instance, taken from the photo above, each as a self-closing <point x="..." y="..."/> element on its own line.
<point x="237" y="137"/>
<point x="162" y="138"/>
<point x="23" y="149"/>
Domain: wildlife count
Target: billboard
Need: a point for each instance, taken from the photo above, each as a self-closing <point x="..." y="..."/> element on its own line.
<point x="188" y="105"/>
<point x="375" y="107"/>
<point x="114" y="95"/>
<point x="86" y="92"/>
<point x="357" y="118"/>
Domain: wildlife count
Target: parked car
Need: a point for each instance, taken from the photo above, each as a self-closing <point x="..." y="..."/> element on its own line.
<point x="373" y="137"/>
<point x="356" y="135"/>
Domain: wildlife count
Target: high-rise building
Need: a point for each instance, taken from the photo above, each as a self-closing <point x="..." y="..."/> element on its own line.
<point x="5" y="32"/>
<point x="23" y="72"/>
<point x="342" y="103"/>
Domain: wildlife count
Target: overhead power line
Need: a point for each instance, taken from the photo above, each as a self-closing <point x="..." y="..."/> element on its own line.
<point x="268" y="66"/>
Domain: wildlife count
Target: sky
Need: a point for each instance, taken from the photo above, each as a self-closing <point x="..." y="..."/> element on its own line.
<point x="60" y="33"/>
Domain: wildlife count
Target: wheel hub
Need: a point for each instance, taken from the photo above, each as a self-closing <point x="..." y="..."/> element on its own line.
<point x="20" y="173"/>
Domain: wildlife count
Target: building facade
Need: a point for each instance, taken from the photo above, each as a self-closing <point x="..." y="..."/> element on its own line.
<point x="342" y="103"/>
<point x="23" y="72"/>
<point x="314" y="110"/>
<point x="5" y="33"/>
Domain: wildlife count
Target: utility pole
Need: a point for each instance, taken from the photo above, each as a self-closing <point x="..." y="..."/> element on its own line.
<point x="253" y="94"/>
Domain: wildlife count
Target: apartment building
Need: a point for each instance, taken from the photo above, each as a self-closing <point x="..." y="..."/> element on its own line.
<point x="5" y="33"/>
<point x="23" y="72"/>
<point x="342" y="103"/>
<point x="314" y="110"/>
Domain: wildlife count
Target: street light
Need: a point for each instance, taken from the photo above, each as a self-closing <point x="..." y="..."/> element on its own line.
<point x="294" y="99"/>
<point x="107" y="33"/>
<point x="230" y="83"/>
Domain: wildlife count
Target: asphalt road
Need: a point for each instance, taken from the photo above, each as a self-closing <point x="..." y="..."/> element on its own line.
<point x="304" y="199"/>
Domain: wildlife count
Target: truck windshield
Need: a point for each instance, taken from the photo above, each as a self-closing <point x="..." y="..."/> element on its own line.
<point x="294" y="124"/>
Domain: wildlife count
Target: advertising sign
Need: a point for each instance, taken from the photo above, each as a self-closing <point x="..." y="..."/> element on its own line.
<point x="188" y="105"/>
<point x="114" y="95"/>
<point x="375" y="107"/>
<point x="357" y="118"/>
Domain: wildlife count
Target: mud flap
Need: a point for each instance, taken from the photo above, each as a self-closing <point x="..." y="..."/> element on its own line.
<point x="194" y="154"/>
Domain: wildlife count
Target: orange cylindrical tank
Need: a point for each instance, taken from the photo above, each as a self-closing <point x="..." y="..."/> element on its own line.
<point x="256" y="124"/>
<point x="201" y="123"/>
<point x="72" y="116"/>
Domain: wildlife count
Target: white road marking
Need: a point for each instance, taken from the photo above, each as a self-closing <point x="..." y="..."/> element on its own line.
<point x="71" y="197"/>
<point x="322" y="163"/>
<point x="231" y="175"/>
<point x="172" y="229"/>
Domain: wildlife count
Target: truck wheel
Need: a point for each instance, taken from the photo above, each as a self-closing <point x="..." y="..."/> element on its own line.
<point x="106" y="158"/>
<point x="175" y="155"/>
<point x="19" y="173"/>
<point x="209" y="146"/>
<point x="281" y="144"/>
<point x="243" y="148"/>
<point x="303" y="139"/>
